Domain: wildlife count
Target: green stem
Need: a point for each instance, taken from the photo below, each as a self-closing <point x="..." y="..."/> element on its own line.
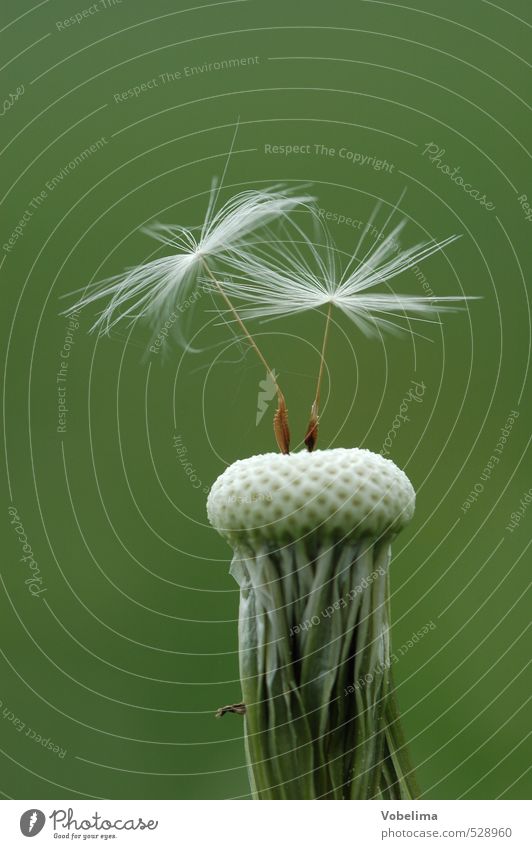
<point x="315" y="665"/>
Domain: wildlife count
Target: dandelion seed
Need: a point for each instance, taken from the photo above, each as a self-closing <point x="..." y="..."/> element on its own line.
<point x="152" y="290"/>
<point x="296" y="275"/>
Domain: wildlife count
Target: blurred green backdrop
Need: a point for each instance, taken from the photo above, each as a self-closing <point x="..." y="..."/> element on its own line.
<point x="122" y="658"/>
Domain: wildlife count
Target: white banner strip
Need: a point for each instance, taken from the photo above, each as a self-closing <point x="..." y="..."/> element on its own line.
<point x="263" y="825"/>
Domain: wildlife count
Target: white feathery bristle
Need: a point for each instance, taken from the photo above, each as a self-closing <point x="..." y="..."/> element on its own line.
<point x="153" y="289"/>
<point x="295" y="274"/>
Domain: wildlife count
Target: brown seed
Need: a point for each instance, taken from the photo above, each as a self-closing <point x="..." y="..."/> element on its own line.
<point x="280" y="426"/>
<point x="311" y="436"/>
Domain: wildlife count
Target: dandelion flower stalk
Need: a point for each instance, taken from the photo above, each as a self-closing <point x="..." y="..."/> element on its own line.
<point x="311" y="536"/>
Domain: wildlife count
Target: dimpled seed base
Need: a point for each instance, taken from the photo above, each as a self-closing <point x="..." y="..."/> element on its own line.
<point x="348" y="492"/>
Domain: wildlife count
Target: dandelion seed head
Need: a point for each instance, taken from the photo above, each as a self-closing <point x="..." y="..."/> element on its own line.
<point x="152" y="290"/>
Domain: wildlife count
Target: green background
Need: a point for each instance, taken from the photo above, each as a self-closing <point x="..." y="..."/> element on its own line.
<point x="125" y="657"/>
